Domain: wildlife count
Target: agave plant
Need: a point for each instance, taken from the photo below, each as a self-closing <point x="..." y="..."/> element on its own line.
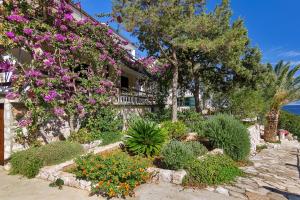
<point x="144" y="138"/>
<point x="287" y="89"/>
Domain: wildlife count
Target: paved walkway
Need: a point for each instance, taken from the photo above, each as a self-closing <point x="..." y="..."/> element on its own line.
<point x="18" y="188"/>
<point x="274" y="176"/>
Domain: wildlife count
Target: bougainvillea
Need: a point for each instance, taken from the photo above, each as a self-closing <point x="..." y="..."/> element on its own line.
<point x="74" y="63"/>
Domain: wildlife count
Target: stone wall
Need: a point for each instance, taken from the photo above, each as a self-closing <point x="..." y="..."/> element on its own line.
<point x="255" y="135"/>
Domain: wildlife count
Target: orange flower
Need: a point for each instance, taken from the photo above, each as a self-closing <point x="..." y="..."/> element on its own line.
<point x="100" y="183"/>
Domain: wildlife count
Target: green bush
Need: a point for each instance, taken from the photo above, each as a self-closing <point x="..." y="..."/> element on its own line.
<point x="176" y="155"/>
<point x="83" y="136"/>
<point x="196" y="147"/>
<point x="144" y="137"/>
<point x="290" y="122"/>
<point x="58" y="152"/>
<point x="192" y="120"/>
<point x="212" y="170"/>
<point x="158" y="116"/>
<point x="26" y="163"/>
<point x="229" y="134"/>
<point x="29" y="162"/>
<point x="106" y="125"/>
<point x="175" y="130"/>
<point x="109" y="138"/>
<point x="113" y="176"/>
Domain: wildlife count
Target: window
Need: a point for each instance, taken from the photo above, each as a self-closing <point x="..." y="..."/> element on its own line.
<point x="124" y="82"/>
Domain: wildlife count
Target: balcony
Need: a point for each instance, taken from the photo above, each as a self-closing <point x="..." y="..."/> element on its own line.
<point x="131" y="97"/>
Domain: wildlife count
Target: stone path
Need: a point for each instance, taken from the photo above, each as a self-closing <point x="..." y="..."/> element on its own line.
<point x="274" y="176"/>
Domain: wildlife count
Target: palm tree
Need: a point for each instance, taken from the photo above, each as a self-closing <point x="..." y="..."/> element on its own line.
<point x="286" y="89"/>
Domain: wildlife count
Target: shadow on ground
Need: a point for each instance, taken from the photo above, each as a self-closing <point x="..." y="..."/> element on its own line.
<point x="287" y="195"/>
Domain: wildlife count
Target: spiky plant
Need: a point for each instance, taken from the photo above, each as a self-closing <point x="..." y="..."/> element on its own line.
<point x="144" y="138"/>
<point x="287" y="89"/>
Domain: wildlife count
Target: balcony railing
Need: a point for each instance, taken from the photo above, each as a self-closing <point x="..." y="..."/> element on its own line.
<point x="135" y="97"/>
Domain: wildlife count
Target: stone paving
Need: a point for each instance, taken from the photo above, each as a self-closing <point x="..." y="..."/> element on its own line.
<point x="275" y="175"/>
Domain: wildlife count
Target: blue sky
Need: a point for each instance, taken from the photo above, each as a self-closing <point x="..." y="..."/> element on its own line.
<point x="273" y="25"/>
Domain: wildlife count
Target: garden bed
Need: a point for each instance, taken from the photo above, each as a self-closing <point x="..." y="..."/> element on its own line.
<point x="64" y="171"/>
<point x="52" y="173"/>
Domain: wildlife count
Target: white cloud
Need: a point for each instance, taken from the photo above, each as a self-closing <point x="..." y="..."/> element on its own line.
<point x="291" y="53"/>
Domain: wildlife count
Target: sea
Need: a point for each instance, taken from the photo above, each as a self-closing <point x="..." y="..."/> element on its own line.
<point x="294" y="109"/>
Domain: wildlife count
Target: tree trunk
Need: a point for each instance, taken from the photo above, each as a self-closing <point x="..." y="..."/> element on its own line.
<point x="174" y="88"/>
<point x="196" y="94"/>
<point x="271" y="127"/>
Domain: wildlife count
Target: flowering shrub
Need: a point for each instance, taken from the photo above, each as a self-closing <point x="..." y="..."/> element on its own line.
<point x="114" y="175"/>
<point x="67" y="77"/>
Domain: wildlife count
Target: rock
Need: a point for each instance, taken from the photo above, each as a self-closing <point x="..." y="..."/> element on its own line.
<point x="178" y="176"/>
<point x="276" y="196"/>
<point x="7" y="167"/>
<point x="216" y="152"/>
<point x="222" y="190"/>
<point x="237" y="195"/>
<point x="191" y="137"/>
<point x="211" y="189"/>
<point x="294" y="190"/>
<point x="235" y="189"/>
<point x="255" y="196"/>
<point x="290" y="137"/>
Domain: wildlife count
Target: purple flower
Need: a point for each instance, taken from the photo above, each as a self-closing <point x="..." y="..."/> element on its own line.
<point x="11" y="95"/>
<point x="63" y="28"/>
<point x="52" y="94"/>
<point x="33" y="73"/>
<point x="59" y="111"/>
<point x="99" y="45"/>
<point x="28" y="31"/>
<point x="80" y="107"/>
<point x="60" y="38"/>
<point x="92" y="101"/>
<point x="48" y="62"/>
<point x="73" y="49"/>
<point x="39" y="82"/>
<point x="101" y="90"/>
<point x="110" y="32"/>
<point x="106" y="83"/>
<point x="103" y="57"/>
<point x="68" y="17"/>
<point x="66" y="78"/>
<point x="16" y="18"/>
<point x="25" y="122"/>
<point x="5" y="66"/>
<point x="10" y="35"/>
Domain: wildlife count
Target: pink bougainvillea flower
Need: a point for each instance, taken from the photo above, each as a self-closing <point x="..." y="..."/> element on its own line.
<point x="110" y="32"/>
<point x="33" y="73"/>
<point x="12" y="95"/>
<point x="5" y="66"/>
<point x="28" y="31"/>
<point x="59" y="111"/>
<point x="63" y="28"/>
<point x="25" y="122"/>
<point x="106" y="83"/>
<point x="68" y="17"/>
<point x="101" y="90"/>
<point x="10" y="35"/>
<point x="60" y="38"/>
<point x="17" y="18"/>
<point x="52" y="94"/>
<point x="92" y="101"/>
